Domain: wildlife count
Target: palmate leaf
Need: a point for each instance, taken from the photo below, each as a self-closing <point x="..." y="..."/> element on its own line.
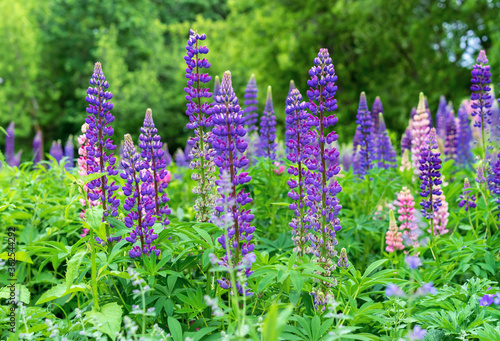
<point x="108" y="320"/>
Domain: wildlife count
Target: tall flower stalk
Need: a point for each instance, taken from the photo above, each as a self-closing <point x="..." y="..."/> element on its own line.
<point x="198" y="109"/>
<point x="481" y="97"/>
<point x="377" y="109"/>
<point x="267" y="146"/>
<point x="451" y="143"/>
<point x="37" y="147"/>
<point x="251" y="115"/>
<point x="100" y="158"/>
<point x="464" y="138"/>
<point x="298" y="139"/>
<point x="10" y="149"/>
<point x="321" y="178"/>
<point x="393" y="237"/>
<point x="385" y="155"/>
<point x="69" y="153"/>
<point x="420" y="130"/>
<point x="365" y="128"/>
<point x="406" y="204"/>
<point x="228" y="139"/>
<point x="441" y="118"/>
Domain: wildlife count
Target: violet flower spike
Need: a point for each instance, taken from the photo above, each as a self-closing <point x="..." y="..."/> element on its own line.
<point x="228" y="139"/>
<point x="69" y="153"/>
<point x="384" y="151"/>
<point x="420" y="130"/>
<point x="466" y="199"/>
<point x="251" y="115"/>
<point x="377" y="109"/>
<point x="37" y="147"/>
<point x="451" y="143"/>
<point x="441" y="118"/>
<point x="464" y="138"/>
<point x="267" y="146"/>
<point x="365" y="127"/>
<point x="140" y="202"/>
<point x="496" y="182"/>
<point x="153" y="155"/>
<point x="56" y="151"/>
<point x="100" y="147"/>
<point x="10" y="149"/>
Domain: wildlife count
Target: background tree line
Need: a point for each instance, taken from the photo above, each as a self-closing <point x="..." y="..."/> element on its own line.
<point x="388" y="48"/>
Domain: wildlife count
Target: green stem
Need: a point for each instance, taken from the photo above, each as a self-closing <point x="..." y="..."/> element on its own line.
<point x="94" y="270"/>
<point x="471" y="224"/>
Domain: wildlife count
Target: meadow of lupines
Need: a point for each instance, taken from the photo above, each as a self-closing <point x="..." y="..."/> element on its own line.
<point x="251" y="233"/>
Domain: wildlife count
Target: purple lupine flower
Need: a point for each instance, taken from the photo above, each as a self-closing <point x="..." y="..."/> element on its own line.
<point x="464" y="138"/>
<point x="16" y="160"/>
<point x="290" y="88"/>
<point x="417" y="334"/>
<point x="56" y="151"/>
<point x="420" y="130"/>
<point x="250" y="110"/>
<point x="496" y="181"/>
<point x="153" y="155"/>
<point x="140" y="201"/>
<point x="100" y="157"/>
<point x="441" y="118"/>
<point x="216" y="86"/>
<point x="321" y="179"/>
<point x="385" y="155"/>
<point x="495" y="123"/>
<point x="37" y="147"/>
<point x="228" y="139"/>
<point x="299" y="138"/>
<point x="406" y="138"/>
<point x="466" y="199"/>
<point x="267" y="146"/>
<point x="69" y="153"/>
<point x="198" y="151"/>
<point x="10" y="150"/>
<point x="430" y="175"/>
<point x="180" y="158"/>
<point x="486" y="300"/>
<point x="394" y="290"/>
<point x="481" y="97"/>
<point x="167" y="156"/>
<point x="480" y="174"/>
<point x="413" y="262"/>
<point x="365" y="127"/>
<point x="426" y="289"/>
<point x="343" y="262"/>
<point x="451" y="143"/>
<point x="377" y="108"/>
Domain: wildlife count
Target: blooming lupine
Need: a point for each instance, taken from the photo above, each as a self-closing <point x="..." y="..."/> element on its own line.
<point x="343" y="262"/>
<point x="229" y="135"/>
<point x="267" y="146"/>
<point x="451" y="144"/>
<point x="377" y="109"/>
<point x="406" y="210"/>
<point x="198" y="111"/>
<point x="321" y="178"/>
<point x="10" y="150"/>
<point x="251" y="115"/>
<point x="140" y="201"/>
<point x="56" y="151"/>
<point x="441" y="118"/>
<point x="420" y="130"/>
<point x="366" y="145"/>
<point x="496" y="182"/>
<point x="69" y="153"/>
<point x="405" y="161"/>
<point x="37" y="147"/>
<point x="180" y="158"/>
<point x="298" y="139"/>
<point x="406" y="138"/>
<point x="480" y="179"/>
<point x="464" y="138"/>
<point x="16" y="160"/>
<point x="481" y="97"/>
<point x="466" y="199"/>
<point x="441" y="216"/>
<point x="153" y="155"/>
<point x="100" y="158"/>
<point x="385" y="155"/>
<point x="393" y="238"/>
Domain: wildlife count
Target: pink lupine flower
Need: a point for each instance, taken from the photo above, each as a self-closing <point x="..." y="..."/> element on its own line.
<point x="280" y="168"/>
<point x="420" y="129"/>
<point x="441" y="217"/>
<point x="393" y="238"/>
<point x="406" y="211"/>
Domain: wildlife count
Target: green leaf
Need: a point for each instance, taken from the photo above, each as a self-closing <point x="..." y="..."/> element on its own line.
<point x="93" y="217"/>
<point x="59" y="291"/>
<point x="108" y="320"/>
<point x="266" y="281"/>
<point x="274" y="324"/>
<point x="72" y="268"/>
<point x="20" y="256"/>
<point x="373" y="266"/>
<point x="175" y="329"/>
<point x="297" y="280"/>
<point x="20" y="291"/>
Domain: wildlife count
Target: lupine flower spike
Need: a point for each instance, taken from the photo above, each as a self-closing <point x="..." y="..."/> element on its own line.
<point x="406" y="209"/>
<point x="384" y="151"/>
<point x="451" y="146"/>
<point x="153" y="155"/>
<point x="251" y="115"/>
<point x="10" y="149"/>
<point x="441" y="118"/>
<point x="321" y="178"/>
<point x="393" y="238"/>
<point x="406" y="138"/>
<point x="37" y="148"/>
<point x="365" y="128"/>
<point x="56" y="151"/>
<point x="100" y="158"/>
<point x="229" y="135"/>
<point x="496" y="183"/>
<point x="299" y="138"/>
<point x="481" y="97"/>
<point x="343" y="261"/>
<point x="267" y="147"/>
<point x="377" y="109"/>
<point x="198" y="111"/>
<point x="464" y="138"/>
<point x="69" y="153"/>
<point x="420" y="130"/>
<point x="140" y="201"/>
<point x="216" y="85"/>
<point x="466" y="199"/>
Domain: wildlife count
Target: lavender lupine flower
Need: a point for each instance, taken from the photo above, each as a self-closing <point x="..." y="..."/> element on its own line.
<point x="377" y="109"/>
<point x="365" y="127"/>
<point x="441" y="118"/>
<point x="267" y="146"/>
<point x="420" y="130"/>
<point x="299" y="138"/>
<point x="496" y="182"/>
<point x="180" y="158"/>
<point x="385" y="155"/>
<point x="413" y="262"/>
<point x="216" y="86"/>
<point x="56" y="151"/>
<point x="418" y="333"/>
<point x="321" y="179"/>
<point x="464" y="138"/>
<point x="100" y="157"/>
<point x="153" y="155"/>
<point x="481" y="97"/>
<point x="451" y="144"/>
<point x="200" y="155"/>
<point x="430" y="175"/>
<point x="10" y="150"/>
<point x="251" y="115"/>
<point x="69" y="153"/>
<point x="343" y="262"/>
<point x="166" y="155"/>
<point x="140" y="201"/>
<point x="394" y="290"/>
<point x="466" y="199"/>
<point x="229" y="135"/>
<point x="406" y="138"/>
<point x="16" y="160"/>
<point x="480" y="174"/>
<point x="37" y="147"/>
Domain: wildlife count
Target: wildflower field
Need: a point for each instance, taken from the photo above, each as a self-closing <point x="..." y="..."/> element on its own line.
<point x="255" y="233"/>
